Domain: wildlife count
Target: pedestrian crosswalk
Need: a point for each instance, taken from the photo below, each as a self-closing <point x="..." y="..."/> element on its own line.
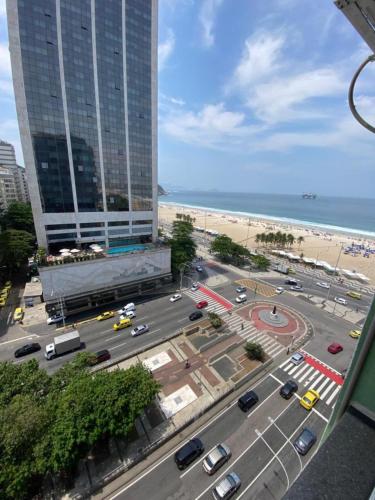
<point x="310" y="377"/>
<point x="243" y="328"/>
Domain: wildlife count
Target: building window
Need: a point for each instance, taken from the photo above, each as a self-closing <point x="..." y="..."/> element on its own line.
<point x="119" y="223"/>
<point x="53" y="227"/>
<point x="91" y="224"/>
<point x="63" y="236"/>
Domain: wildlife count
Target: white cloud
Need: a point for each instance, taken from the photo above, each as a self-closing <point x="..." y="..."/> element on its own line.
<point x="207" y="16"/>
<point x="2" y="8"/>
<point x="5" y="68"/>
<point x="165" y="49"/>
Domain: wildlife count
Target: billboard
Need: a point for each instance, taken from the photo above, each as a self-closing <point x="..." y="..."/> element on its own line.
<point x="85" y="277"/>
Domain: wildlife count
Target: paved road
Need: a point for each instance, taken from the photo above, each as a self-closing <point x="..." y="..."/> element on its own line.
<point x="262" y="451"/>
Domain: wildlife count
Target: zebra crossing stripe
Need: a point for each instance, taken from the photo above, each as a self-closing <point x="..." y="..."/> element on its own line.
<point x="321" y="387"/>
<point x="333" y="395"/>
<point x="301" y="370"/>
<point x="316" y="382"/>
<point x="275" y="351"/>
<point x="333" y="383"/>
<point x="285" y="362"/>
<point x="294" y="369"/>
<point x="306" y="374"/>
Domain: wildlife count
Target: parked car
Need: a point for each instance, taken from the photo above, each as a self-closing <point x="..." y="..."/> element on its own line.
<point x="122" y="323"/>
<point x="288" y="389"/>
<point x="297" y="358"/>
<point x="323" y="284"/>
<point x="18" y="314"/>
<point x="241" y="298"/>
<point x="138" y="330"/>
<point x="105" y="315"/>
<point x="128" y="307"/>
<point x="175" y="297"/>
<point x="195" y="287"/>
<point x="355" y="334"/>
<point x="341" y="301"/>
<point x="335" y="347"/>
<point x="199" y="269"/>
<point x="27" y="349"/>
<point x="188" y="453"/>
<point x="241" y="289"/>
<point x="309" y="399"/>
<point x="279" y="290"/>
<point x="202" y="304"/>
<point x="304" y="441"/>
<point x="248" y="400"/>
<point x="101" y="356"/>
<point x="56" y="318"/>
<point x="195" y="315"/>
<point x="227" y="487"/>
<point x="297" y="288"/>
<point x="216" y="458"/>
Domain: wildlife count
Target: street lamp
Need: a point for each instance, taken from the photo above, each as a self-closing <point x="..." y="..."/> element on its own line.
<point x="334" y="272"/>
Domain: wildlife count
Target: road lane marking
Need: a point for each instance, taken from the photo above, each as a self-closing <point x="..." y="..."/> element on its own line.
<point x="29" y="337"/>
<point x="274" y="455"/>
<point x="294" y="369"/>
<point x="306" y="374"/>
<point x="264" y="400"/>
<point x="273" y="458"/>
<point x="316" y="382"/>
<point x="321" y="387"/>
<point x="177" y="447"/>
<point x="298" y="373"/>
<point x="333" y="395"/>
<point x="286" y="437"/>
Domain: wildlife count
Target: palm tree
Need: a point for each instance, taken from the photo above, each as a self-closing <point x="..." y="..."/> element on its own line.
<point x="258" y="238"/>
<point x="290" y="239"/>
<point x="300" y="239"/>
<point x="283" y="239"/>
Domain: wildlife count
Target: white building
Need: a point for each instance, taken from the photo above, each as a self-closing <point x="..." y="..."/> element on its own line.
<point x="13" y="183"/>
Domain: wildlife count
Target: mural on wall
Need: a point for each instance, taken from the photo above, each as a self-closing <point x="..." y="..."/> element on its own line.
<point x="73" y="279"/>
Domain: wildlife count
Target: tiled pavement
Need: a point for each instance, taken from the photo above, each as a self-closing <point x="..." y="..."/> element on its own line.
<point x="245" y="329"/>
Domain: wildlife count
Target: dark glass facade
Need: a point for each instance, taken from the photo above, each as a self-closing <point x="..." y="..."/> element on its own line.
<point x="87" y="72"/>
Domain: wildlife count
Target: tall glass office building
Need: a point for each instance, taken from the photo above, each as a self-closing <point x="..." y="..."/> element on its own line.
<point x="85" y="80"/>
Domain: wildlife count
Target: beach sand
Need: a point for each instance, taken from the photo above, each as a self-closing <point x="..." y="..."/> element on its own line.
<point x="318" y="244"/>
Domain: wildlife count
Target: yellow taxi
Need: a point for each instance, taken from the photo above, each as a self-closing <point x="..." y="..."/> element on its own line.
<point x="105" y="315"/>
<point x="122" y="323"/>
<point x="309" y="399"/>
<point x="18" y="314"/>
<point x="2" y="301"/>
<point x="355" y="334"/>
<point x="354" y="295"/>
<point x="4" y="294"/>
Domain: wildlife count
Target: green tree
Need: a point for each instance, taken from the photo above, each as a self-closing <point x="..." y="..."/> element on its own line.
<point x="254" y="351"/>
<point x="183" y="247"/>
<point x="222" y="246"/>
<point x="215" y="320"/>
<point x="261" y="262"/>
<point x="290" y="239"/>
<point x="41" y="255"/>
<point x="300" y="240"/>
<point x="15" y="247"/>
<point x="18" y="216"/>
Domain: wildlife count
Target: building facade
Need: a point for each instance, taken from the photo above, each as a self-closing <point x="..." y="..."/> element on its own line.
<point x="13" y="183"/>
<point x="85" y="80"/>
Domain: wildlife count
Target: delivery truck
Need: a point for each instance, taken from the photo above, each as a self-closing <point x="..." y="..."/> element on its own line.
<point x="281" y="268"/>
<point x="62" y="344"/>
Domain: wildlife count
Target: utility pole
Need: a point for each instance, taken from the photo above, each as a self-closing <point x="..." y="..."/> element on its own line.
<point x="334" y="272"/>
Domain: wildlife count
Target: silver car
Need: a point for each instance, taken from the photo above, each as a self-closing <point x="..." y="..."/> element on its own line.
<point x="216" y="458"/>
<point x="227" y="487"/>
<point x="297" y="358"/>
<point x="138" y="330"/>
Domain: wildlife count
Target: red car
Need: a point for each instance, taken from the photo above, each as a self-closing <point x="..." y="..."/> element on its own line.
<point x="202" y="304"/>
<point x="335" y="348"/>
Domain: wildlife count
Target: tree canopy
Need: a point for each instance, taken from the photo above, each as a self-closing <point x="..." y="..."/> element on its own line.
<point x="18" y="216"/>
<point x="183" y="247"/>
<point x="15" y="248"/>
<point x="49" y="422"/>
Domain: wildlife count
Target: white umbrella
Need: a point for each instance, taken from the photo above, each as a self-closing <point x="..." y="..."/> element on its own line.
<point x="75" y="250"/>
<point x="65" y="254"/>
<point x="94" y="245"/>
<point x="64" y="250"/>
<point x="99" y="249"/>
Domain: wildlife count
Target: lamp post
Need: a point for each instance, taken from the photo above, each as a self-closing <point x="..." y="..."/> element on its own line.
<point x="334" y="272"/>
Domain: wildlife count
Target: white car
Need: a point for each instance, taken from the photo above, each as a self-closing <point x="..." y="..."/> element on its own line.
<point x="175" y="297"/>
<point x="138" y="330"/>
<point x="297" y="358"/>
<point x="241" y="298"/>
<point x="57" y="318"/>
<point x="323" y="284"/>
<point x="195" y="287"/>
<point x="340" y="300"/>
<point x="128" y="314"/>
<point x="128" y="307"/>
<point x="279" y="290"/>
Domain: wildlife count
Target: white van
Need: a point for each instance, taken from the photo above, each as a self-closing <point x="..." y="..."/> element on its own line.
<point x="241" y="298"/>
<point x="127" y="308"/>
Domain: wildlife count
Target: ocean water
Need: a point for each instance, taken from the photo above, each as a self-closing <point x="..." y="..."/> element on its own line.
<point x="349" y="215"/>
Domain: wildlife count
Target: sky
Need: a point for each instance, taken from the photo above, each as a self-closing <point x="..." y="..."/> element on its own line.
<point x="252" y="98"/>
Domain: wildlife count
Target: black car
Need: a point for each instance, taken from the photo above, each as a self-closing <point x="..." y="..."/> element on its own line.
<point x="100" y="356"/>
<point x="188" y="453"/>
<point x="27" y="349"/>
<point x="195" y="315"/>
<point x="248" y="400"/>
<point x="291" y="281"/>
<point x="288" y="389"/>
<point x="304" y="441"/>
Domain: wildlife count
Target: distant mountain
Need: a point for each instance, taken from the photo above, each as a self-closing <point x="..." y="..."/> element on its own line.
<point x="161" y="191"/>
